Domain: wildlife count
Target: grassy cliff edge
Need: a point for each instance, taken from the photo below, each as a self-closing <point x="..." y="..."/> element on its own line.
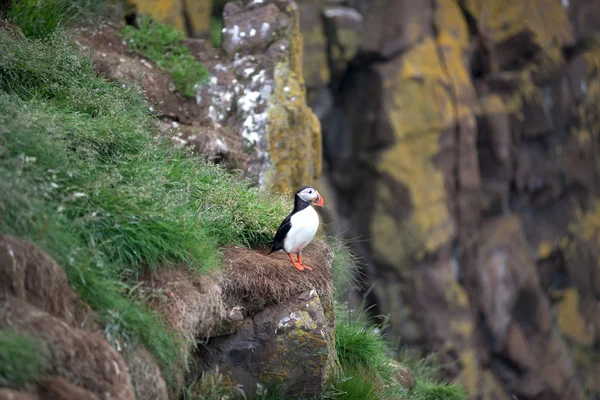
<point x="84" y="176"/>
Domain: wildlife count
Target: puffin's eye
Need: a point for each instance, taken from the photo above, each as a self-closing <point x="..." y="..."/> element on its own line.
<point x="310" y="192"/>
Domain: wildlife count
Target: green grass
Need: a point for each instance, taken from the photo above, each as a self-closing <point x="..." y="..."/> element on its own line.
<point x="359" y="343"/>
<point x="354" y="383"/>
<point x="428" y="386"/>
<point x="216" y="25"/>
<point x="345" y="266"/>
<point x="22" y="359"/>
<point x="162" y="44"/>
<point x="40" y="18"/>
<point x="367" y="372"/>
<point x="81" y="176"/>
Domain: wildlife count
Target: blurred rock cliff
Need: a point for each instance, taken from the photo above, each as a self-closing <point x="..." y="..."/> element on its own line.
<point x="459" y="142"/>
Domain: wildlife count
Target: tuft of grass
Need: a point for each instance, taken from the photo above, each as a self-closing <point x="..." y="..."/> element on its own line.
<point x="354" y="383"/>
<point x="161" y="43"/>
<point x="368" y="372"/>
<point x="214" y="386"/>
<point x="41" y="18"/>
<point x="345" y="266"/>
<point x="432" y="390"/>
<point x="428" y="385"/>
<point x="23" y="359"/>
<point x="359" y="343"/>
<point x="82" y="176"/>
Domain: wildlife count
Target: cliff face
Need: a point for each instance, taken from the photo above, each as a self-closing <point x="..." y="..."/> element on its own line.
<point x="460" y="143"/>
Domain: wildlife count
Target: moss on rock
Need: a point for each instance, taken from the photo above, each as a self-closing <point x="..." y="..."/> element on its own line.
<point x="294" y="133"/>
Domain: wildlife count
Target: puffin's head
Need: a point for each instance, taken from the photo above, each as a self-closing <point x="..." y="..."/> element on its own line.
<point x="310" y="195"/>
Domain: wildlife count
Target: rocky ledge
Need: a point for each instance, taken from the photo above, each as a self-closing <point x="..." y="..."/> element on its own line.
<point x="260" y="321"/>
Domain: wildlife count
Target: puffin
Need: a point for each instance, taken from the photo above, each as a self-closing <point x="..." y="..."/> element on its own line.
<point x="299" y="228"/>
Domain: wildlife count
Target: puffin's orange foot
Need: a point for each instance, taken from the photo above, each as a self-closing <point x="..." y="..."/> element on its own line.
<point x="298" y="266"/>
<point x="303" y="266"/>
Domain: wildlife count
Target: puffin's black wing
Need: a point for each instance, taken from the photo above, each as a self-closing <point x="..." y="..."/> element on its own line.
<point x="284" y="228"/>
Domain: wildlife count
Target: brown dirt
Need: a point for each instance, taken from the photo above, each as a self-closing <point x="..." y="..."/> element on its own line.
<point x="182" y="118"/>
<point x="81" y="357"/>
<point x="255" y="280"/>
<point x="113" y="60"/>
<point x="36" y="300"/>
<point x="58" y="388"/>
<point x="32" y="276"/>
<point x="9" y="394"/>
<point x="192" y="304"/>
<point x="146" y="377"/>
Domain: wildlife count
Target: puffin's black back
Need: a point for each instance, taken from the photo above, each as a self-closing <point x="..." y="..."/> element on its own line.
<point x="286" y="225"/>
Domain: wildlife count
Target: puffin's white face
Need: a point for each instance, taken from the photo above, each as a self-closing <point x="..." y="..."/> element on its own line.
<point x="310" y="195"/>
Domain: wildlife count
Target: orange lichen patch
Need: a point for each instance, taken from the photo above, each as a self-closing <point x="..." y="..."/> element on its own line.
<point x="571" y="322"/>
<point x="166" y="11"/>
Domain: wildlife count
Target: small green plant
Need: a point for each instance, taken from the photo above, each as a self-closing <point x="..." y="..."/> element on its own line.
<point x="161" y="43"/>
<point x="23" y="359"/>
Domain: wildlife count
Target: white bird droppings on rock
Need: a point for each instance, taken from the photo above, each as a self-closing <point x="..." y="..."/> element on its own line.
<point x="344" y="12"/>
<point x="264" y="29"/>
<point x="235" y="35"/>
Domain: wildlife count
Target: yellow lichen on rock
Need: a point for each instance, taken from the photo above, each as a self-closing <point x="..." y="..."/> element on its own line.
<point x="166" y="11"/>
<point x="492" y="387"/>
<point x="571" y="322"/>
<point x="419" y="108"/>
<point x="294" y="131"/>
<point x="500" y="20"/>
<point x="175" y="13"/>
<point x="471" y="372"/>
<point x="544" y="250"/>
<point x="315" y="65"/>
<point x="198" y="13"/>
<point x="294" y="135"/>
<point x="452" y="27"/>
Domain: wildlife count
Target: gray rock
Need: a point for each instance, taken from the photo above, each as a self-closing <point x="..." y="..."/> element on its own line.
<point x="287" y="344"/>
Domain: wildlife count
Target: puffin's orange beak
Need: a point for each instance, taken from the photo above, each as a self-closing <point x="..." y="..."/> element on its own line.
<point x="320" y="201"/>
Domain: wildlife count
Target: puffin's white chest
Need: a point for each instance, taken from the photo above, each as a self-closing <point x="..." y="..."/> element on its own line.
<point x="304" y="226"/>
